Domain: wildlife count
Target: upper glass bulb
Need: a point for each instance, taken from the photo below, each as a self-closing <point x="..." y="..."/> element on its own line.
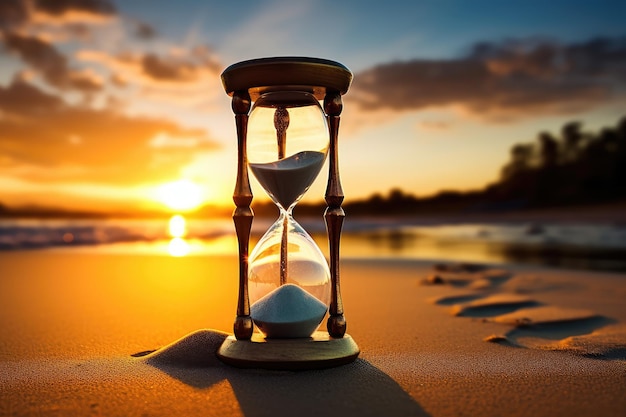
<point x="288" y="144"/>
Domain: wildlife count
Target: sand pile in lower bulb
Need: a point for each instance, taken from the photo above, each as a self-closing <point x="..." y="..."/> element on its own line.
<point x="288" y="312"/>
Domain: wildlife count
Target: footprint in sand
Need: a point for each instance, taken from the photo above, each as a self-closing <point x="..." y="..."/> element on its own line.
<point x="492" y="305"/>
<point x="531" y="324"/>
<point x="472" y="276"/>
<point x="607" y="343"/>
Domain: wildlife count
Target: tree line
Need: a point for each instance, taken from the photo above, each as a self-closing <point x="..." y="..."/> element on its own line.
<point x="573" y="167"/>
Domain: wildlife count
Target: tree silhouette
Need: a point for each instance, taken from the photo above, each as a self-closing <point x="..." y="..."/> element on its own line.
<point x="575" y="168"/>
<point x="573" y="139"/>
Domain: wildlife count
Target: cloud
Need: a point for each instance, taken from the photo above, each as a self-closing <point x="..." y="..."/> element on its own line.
<point x="162" y="69"/>
<point x="12" y="14"/>
<point x="25" y="31"/>
<point x="505" y="80"/>
<point x="23" y="99"/>
<point x="44" y="139"/>
<point x="67" y="19"/>
<point x="33" y="29"/>
<point x="17" y="14"/>
<point x="60" y="7"/>
<point x="144" y="30"/>
<point x="148" y="68"/>
<point x="65" y="117"/>
<point x="66" y="11"/>
<point x="47" y="60"/>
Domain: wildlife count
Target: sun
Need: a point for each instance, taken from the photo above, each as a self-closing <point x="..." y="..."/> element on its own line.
<point x="180" y="195"/>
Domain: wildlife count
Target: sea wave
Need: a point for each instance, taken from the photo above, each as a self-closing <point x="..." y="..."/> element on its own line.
<point x="586" y="246"/>
<point x="39" y="234"/>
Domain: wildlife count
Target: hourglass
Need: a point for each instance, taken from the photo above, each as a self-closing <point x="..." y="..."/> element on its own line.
<point x="286" y="286"/>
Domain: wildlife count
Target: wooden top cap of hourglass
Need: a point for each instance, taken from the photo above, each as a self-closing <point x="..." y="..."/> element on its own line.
<point x="287" y="73"/>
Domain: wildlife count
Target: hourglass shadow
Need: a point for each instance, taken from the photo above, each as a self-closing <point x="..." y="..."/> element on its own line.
<point x="358" y="388"/>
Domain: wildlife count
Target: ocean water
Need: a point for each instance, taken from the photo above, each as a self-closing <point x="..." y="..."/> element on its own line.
<point x="578" y="246"/>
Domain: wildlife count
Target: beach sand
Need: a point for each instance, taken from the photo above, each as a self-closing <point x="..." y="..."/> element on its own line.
<point x="444" y="340"/>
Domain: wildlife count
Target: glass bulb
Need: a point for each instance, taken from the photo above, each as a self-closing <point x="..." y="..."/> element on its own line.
<point x="288" y="144"/>
<point x="288" y="277"/>
<point x="305" y="264"/>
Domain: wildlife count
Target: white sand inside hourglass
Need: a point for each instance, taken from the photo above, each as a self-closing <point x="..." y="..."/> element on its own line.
<point x="288" y="312"/>
<point x="287" y="179"/>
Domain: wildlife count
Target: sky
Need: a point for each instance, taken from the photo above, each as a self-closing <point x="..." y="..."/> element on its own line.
<point x="118" y="105"/>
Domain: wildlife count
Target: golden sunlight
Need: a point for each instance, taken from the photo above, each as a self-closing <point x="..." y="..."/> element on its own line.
<point x="177" y="226"/>
<point x="178" y="247"/>
<point x="180" y="195"/>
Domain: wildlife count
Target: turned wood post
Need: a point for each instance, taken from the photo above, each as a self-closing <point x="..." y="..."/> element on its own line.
<point x="334" y="215"/>
<point x="243" y="215"/>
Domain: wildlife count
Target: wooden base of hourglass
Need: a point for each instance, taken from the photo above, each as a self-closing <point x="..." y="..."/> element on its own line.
<point x="316" y="352"/>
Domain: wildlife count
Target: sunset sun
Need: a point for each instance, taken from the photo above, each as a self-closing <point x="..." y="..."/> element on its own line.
<point x="180" y="195"/>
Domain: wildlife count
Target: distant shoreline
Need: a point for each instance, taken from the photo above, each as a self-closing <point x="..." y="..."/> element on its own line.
<point x="597" y="214"/>
<point x="607" y="213"/>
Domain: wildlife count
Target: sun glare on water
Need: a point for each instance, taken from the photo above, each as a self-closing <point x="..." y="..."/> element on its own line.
<point x="180" y="195"/>
<point x="177" y="228"/>
<point x="178" y="247"/>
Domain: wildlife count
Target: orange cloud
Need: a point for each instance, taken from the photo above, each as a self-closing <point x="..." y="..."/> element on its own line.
<point x="45" y="139"/>
<point x="62" y="20"/>
<point x="20" y="15"/>
<point x="60" y="7"/>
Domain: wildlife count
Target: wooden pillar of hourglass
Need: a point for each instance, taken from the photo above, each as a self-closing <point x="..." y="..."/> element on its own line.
<point x="334" y="214"/>
<point x="242" y="215"/>
<point x="327" y="81"/>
